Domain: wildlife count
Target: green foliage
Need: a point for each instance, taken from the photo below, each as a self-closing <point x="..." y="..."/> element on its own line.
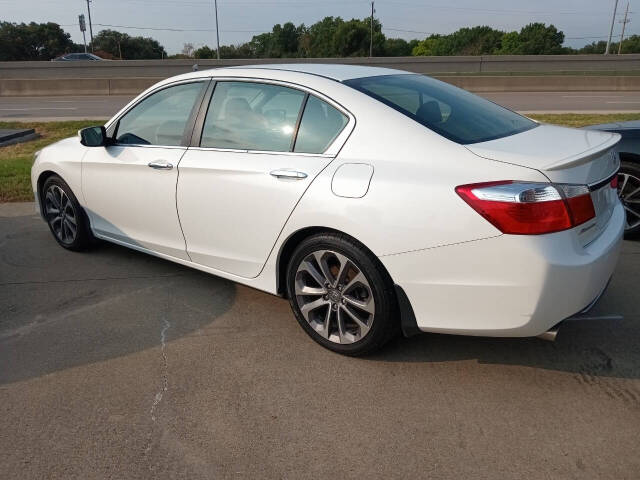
<point x="122" y="45"/>
<point x="533" y="39"/>
<point x="398" y="47"/>
<point x="16" y="160"/>
<point x="629" y="45"/>
<point x="33" y="41"/>
<point x="330" y="37"/>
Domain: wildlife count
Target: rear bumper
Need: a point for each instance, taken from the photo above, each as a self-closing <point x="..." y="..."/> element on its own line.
<point x="507" y="286"/>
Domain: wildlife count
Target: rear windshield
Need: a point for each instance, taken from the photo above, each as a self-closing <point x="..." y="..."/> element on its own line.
<point x="452" y="112"/>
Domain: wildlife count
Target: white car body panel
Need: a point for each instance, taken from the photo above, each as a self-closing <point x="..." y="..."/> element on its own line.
<point x="460" y="273"/>
<point x="243" y="206"/>
<point x="130" y="202"/>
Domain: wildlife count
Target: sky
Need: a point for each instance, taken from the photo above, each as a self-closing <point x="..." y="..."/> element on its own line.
<point x="178" y="22"/>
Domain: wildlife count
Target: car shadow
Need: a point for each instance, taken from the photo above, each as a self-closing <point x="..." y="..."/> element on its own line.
<point x="64" y="309"/>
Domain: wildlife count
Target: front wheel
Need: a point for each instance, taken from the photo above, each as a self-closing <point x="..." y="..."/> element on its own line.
<point x="341" y="295"/>
<point x="64" y="215"/>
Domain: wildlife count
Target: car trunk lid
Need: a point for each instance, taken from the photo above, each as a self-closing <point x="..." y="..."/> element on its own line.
<point x="565" y="155"/>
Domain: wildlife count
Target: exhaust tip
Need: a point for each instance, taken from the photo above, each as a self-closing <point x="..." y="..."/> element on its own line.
<point x="549" y="335"/>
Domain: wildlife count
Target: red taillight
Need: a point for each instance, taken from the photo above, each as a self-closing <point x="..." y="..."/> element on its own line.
<point x="522" y="208"/>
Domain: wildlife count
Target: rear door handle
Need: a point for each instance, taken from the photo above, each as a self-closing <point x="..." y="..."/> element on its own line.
<point x="161" y="165"/>
<point x="292" y="174"/>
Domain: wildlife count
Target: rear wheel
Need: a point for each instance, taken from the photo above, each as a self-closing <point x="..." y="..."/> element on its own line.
<point x="64" y="215"/>
<point x="629" y="193"/>
<point x="341" y="295"/>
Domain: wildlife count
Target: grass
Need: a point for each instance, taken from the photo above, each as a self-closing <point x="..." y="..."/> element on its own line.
<point x="583" y="119"/>
<point x="16" y="160"/>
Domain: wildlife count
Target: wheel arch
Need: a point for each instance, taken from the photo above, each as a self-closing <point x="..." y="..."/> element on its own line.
<point x="42" y="178"/>
<point x="407" y="318"/>
<point x="629" y="157"/>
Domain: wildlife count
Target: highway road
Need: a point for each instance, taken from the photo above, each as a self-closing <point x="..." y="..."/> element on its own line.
<point x="103" y="107"/>
<point x="117" y="364"/>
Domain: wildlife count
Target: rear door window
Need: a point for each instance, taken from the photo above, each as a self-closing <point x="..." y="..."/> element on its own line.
<point x="252" y="116"/>
<point x="320" y="125"/>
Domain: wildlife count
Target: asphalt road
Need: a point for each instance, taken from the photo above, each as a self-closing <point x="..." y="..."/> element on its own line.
<point x="116" y="364"/>
<point x="103" y="107"/>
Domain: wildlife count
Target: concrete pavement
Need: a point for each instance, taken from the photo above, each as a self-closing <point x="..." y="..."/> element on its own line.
<point x="103" y="107"/>
<point x="116" y="364"/>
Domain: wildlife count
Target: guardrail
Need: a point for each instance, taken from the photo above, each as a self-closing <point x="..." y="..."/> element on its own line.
<point x="471" y="64"/>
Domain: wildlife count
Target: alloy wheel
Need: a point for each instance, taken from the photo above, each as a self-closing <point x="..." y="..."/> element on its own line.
<point x="334" y="296"/>
<point x="60" y="214"/>
<point x="629" y="193"/>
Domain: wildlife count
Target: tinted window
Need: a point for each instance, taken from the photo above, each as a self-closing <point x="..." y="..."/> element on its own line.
<point x="252" y="116"/>
<point x="161" y="118"/>
<point x="450" y="111"/>
<point x="321" y="123"/>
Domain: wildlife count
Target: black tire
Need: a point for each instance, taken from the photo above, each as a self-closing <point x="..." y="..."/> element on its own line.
<point x="82" y="238"/>
<point x="633" y="182"/>
<point x="384" y="322"/>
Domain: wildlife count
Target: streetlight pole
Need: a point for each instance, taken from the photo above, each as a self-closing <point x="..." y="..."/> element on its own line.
<point x="215" y="4"/>
<point x="613" y="21"/>
<point x="90" y="26"/>
<point x="624" y="24"/>
<point x="371" y="36"/>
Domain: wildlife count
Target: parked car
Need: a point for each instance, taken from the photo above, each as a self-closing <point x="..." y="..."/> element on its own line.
<point x="628" y="149"/>
<point x="70" y="57"/>
<point x="374" y="199"/>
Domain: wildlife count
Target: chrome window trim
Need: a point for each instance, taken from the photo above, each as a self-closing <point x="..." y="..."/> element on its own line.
<point x="142" y="145"/>
<point x="330" y="152"/>
<point x="261" y="152"/>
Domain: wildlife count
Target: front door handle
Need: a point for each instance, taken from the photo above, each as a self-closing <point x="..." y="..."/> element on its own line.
<point x="161" y="165"/>
<point x="292" y="174"/>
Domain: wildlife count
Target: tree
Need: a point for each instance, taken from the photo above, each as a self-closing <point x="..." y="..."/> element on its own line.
<point x="352" y="38"/>
<point x="398" y="47"/>
<point x="33" y="41"/>
<point x="630" y="44"/>
<point x="322" y="34"/>
<point x="205" y="52"/>
<point x="533" y="39"/>
<point x="121" y="45"/>
<point x="481" y="40"/>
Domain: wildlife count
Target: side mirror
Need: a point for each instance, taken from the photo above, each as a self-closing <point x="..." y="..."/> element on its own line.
<point x="93" y="137"/>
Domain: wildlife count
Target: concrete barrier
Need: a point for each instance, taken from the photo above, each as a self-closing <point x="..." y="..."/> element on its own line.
<point x="508" y="64"/>
<point x="545" y="83"/>
<point x="494" y="83"/>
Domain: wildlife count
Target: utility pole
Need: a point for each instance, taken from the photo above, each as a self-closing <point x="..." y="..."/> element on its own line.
<point x="83" y="28"/>
<point x="90" y="26"/>
<point x="215" y="4"/>
<point x="613" y="21"/>
<point x="371" y="37"/>
<point x="624" y="24"/>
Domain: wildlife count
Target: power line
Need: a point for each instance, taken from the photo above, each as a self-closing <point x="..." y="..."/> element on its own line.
<point x="613" y="21"/>
<point x="169" y="29"/>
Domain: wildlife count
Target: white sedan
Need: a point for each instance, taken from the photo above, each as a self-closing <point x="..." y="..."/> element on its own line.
<point x="376" y="200"/>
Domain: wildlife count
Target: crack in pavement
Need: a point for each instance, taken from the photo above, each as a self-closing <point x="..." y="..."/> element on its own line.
<point x="165" y="373"/>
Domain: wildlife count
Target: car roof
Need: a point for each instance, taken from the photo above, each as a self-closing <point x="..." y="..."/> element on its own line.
<point x="334" y="71"/>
